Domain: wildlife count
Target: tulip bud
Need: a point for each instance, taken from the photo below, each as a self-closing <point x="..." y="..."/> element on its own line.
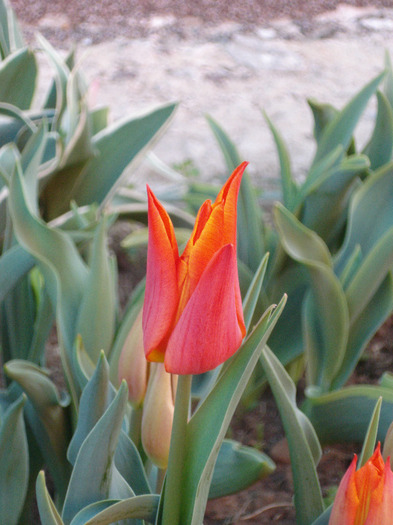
<point x="365" y="496"/>
<point x="157" y="415"/>
<point x="133" y="366"/>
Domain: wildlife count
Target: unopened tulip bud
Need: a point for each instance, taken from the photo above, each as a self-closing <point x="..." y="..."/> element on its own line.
<point x="365" y="496"/>
<point x="157" y="415"/>
<point x="133" y="366"/>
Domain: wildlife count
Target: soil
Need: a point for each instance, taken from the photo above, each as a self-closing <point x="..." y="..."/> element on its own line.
<point x="160" y="40"/>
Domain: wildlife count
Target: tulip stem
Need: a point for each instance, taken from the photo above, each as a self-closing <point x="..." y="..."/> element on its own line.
<point x="177" y="452"/>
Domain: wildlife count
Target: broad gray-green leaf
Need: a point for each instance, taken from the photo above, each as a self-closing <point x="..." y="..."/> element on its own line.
<point x="98" y="304"/>
<point x="300" y="242"/>
<point x="94" y="476"/>
<point x="31" y="160"/>
<point x="116" y="147"/>
<point x="214" y="416"/>
<point x="379" y="149"/>
<point x="323" y="114"/>
<point x="61" y="76"/>
<point x="47" y="417"/>
<point x="12" y="38"/>
<point x="94" y="401"/>
<point x="388" y="83"/>
<point x="18" y="76"/>
<point x="237" y="468"/>
<point x="378" y="309"/>
<point x="344" y="415"/>
<point x="325" y="206"/>
<point x="107" y="512"/>
<point x="64" y="270"/>
<point x="47" y="509"/>
<point x="326" y="307"/>
<point x="304" y="448"/>
<point x="370" y="275"/>
<point x="288" y="184"/>
<point x="341" y="127"/>
<point x="370" y="215"/>
<point x="14" y="462"/>
<point x="130" y="466"/>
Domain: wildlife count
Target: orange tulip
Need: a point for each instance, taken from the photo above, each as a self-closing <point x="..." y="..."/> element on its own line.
<point x="192" y="315"/>
<point x="365" y="496"/>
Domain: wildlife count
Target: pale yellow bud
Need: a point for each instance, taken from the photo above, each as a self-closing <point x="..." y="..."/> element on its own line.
<point x="133" y="366"/>
<point x="157" y="415"/>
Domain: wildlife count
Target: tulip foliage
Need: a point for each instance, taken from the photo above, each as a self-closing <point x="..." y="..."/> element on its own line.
<point x="134" y="427"/>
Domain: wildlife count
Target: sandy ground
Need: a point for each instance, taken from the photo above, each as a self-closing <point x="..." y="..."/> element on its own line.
<point x="231" y="70"/>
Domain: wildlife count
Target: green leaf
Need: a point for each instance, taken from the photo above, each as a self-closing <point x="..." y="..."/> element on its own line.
<point x="214" y="416"/>
<point x="228" y="148"/>
<point x="18" y="76"/>
<point x="250" y="245"/>
<point x="237" y="468"/>
<point x="325" y="307"/>
<point x="380" y="147"/>
<point x="288" y="184"/>
<point x="14" y="462"/>
<point x="371" y="436"/>
<point x="325" y="205"/>
<point x="130" y="466"/>
<point x="94" y="400"/>
<point x="98" y="304"/>
<point x="378" y="309"/>
<point x="344" y="415"/>
<point x="304" y="448"/>
<point x="300" y="242"/>
<point x="253" y="292"/>
<point x="340" y="129"/>
<point x="323" y="114"/>
<point x="323" y="519"/>
<point x="370" y="275"/>
<point x="61" y="78"/>
<point x="116" y="147"/>
<point x="110" y="511"/>
<point x="388" y="84"/>
<point x="46" y="507"/>
<point x="11" y="37"/>
<point x="47" y="416"/>
<point x="94" y="476"/>
<point x="64" y="270"/>
<point x="367" y="223"/>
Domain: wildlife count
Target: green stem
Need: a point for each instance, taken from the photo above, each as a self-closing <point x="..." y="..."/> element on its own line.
<point x="135" y="425"/>
<point x="173" y="482"/>
<point x="160" y="480"/>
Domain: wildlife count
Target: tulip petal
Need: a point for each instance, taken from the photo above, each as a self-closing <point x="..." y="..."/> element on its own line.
<point x="162" y="294"/>
<point x="208" y="331"/>
<point x="346" y="500"/>
<point x="215" y="226"/>
<point x="381" y="505"/>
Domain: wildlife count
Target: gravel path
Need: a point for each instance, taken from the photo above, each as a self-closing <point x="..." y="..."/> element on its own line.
<point x="228" y="59"/>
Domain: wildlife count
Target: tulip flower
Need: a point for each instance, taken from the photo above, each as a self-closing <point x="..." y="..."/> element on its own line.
<point x="365" y="496"/>
<point x="192" y="314"/>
